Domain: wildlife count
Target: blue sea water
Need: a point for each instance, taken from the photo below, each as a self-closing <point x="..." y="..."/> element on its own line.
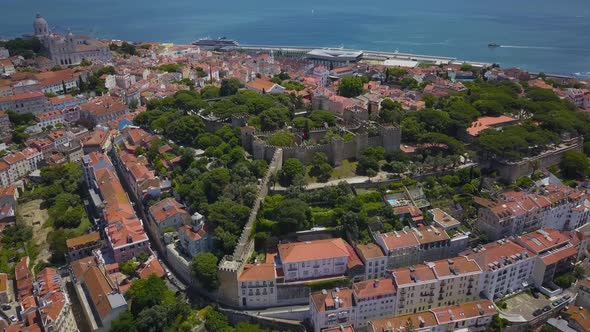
<point x="539" y="35"/>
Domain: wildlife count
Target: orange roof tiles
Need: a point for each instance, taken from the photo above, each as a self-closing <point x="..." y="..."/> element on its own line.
<point x="560" y="255"/>
<point x="254" y="272"/>
<point x="486" y="122"/>
<point x="401" y="323"/>
<point x="411" y="275"/>
<point x="166" y="208"/>
<point x="370" y="288"/>
<point x="122" y="233"/>
<point x="103" y="105"/>
<point x="543" y="239"/>
<point x="580" y="315"/>
<point x="324" y="302"/>
<point x="464" y="311"/>
<point x="455" y="266"/>
<point x="22" y="96"/>
<point x="493" y="252"/>
<point x="3" y="282"/>
<point x="190" y="232"/>
<point x="370" y="250"/>
<point x="151" y="266"/>
<point x="399" y="239"/>
<point x="260" y="84"/>
<point x="83" y="239"/>
<point x="312" y="250"/>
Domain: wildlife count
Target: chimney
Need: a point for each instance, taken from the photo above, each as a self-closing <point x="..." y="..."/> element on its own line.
<point x="376" y="283"/>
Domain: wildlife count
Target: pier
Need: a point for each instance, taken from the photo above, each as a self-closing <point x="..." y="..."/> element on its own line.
<point x="364" y="56"/>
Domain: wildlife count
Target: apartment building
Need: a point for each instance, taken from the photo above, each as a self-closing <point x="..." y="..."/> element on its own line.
<point x="258" y="286"/>
<point x="374" y="299"/>
<point x="82" y="246"/>
<point x="508" y="267"/>
<point x="437" y="284"/>
<point x="374" y="260"/>
<point x="470" y="316"/>
<point x="416" y="245"/>
<point x="103" y="109"/>
<point x="315" y="259"/>
<point x="513" y="213"/>
<point x="138" y="175"/>
<point x="31" y="102"/>
<point x="169" y="213"/>
<point x="555" y="252"/>
<point x="94" y="287"/>
<point x="332" y="308"/>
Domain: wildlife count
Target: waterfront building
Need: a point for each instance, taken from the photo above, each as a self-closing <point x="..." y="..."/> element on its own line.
<point x="69" y="49"/>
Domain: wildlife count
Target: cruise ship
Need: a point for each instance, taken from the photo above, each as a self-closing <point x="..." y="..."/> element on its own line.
<point x="216" y="43"/>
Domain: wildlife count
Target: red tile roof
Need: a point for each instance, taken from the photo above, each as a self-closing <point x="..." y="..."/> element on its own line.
<point x="151" y="266"/>
<point x="312" y="250"/>
<point x="486" y="122"/>
<point x="371" y="288"/>
<point x="256" y="272"/>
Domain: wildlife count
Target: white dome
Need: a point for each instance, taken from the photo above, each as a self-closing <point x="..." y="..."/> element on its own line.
<point x="40" y="25"/>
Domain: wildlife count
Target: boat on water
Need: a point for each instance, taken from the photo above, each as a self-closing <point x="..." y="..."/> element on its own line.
<point x="220" y="42"/>
<point x="493" y="45"/>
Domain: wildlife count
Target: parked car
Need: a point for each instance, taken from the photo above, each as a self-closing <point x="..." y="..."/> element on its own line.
<point x="6" y="306"/>
<point x="556" y="303"/>
<point x="567" y="297"/>
<point x="546" y="308"/>
<point x="13" y="319"/>
<point x="537" y="312"/>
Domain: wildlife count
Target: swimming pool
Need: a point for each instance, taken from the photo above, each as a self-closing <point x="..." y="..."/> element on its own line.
<point x="392" y="201"/>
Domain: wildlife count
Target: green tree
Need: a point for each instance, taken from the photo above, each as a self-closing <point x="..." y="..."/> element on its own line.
<point x="274" y="118"/>
<point x="210" y="91"/>
<point x="230" y="87"/>
<point x="320" y="167"/>
<point x="320" y="118"/>
<point x="204" y="268"/>
<point x="292" y="168"/>
<point x="575" y="165"/>
<point x="124" y="323"/>
<point x="351" y="86"/>
<point x="146" y="293"/>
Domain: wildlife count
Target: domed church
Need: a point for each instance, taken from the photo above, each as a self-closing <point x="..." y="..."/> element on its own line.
<point x="69" y="49"/>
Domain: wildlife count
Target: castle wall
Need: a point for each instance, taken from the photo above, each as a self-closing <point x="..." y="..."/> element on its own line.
<point x="512" y="171"/>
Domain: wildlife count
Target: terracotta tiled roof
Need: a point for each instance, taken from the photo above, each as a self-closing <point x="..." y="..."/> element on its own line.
<point x="493" y="252"/>
<point x="99" y="288"/>
<point x="167" y="208"/>
<point x="3" y="282"/>
<point x="486" y="122"/>
<point x="371" y="288"/>
<point x="580" y="315"/>
<point x="260" y="84"/>
<point x="22" y="96"/>
<point x="560" y="255"/>
<point x="122" y="233"/>
<point x="151" y="266"/>
<point x="465" y="311"/>
<point x="312" y="250"/>
<point x="420" y="320"/>
<point x="83" y="239"/>
<point x="399" y="239"/>
<point x="455" y="266"/>
<point x="258" y="272"/>
<point x="371" y="250"/>
<point x="412" y="275"/>
<point x="323" y="302"/>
